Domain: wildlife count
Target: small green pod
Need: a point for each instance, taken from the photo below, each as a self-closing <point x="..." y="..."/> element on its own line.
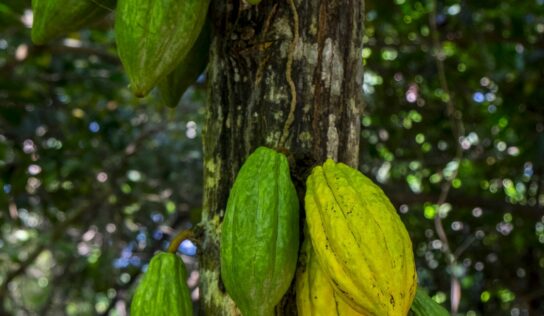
<point x="163" y="290"/>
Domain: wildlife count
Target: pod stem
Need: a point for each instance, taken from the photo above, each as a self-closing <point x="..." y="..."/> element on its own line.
<point x="179" y="238"/>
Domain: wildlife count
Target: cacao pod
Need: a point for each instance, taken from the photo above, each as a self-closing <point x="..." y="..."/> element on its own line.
<point x="423" y="305"/>
<point x="315" y="294"/>
<point x="193" y="64"/>
<point x="163" y="290"/>
<point x="154" y="36"/>
<point x="359" y="240"/>
<point x="54" y="18"/>
<point x="260" y="234"/>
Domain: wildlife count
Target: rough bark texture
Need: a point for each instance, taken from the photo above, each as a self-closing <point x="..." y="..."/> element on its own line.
<point x="286" y="74"/>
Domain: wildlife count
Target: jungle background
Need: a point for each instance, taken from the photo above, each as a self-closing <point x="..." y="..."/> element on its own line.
<point x="93" y="180"/>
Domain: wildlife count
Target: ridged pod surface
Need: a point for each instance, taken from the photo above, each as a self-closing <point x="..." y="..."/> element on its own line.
<point x="260" y="234"/>
<point x="315" y="294"/>
<point x="154" y="36"/>
<point x="359" y="240"/>
<point x="54" y="18"/>
<point x="163" y="290"/>
<point x="423" y="305"/>
<point x="191" y="66"/>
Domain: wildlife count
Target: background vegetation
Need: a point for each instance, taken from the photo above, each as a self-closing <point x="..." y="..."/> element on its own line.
<point x="93" y="180"/>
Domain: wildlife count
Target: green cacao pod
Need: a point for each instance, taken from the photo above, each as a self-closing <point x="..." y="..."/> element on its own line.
<point x="423" y="305"/>
<point x="260" y="234"/>
<point x="163" y="290"/>
<point x="54" y="18"/>
<point x="154" y="36"/>
<point x="360" y="241"/>
<point x="173" y="87"/>
<point x="315" y="293"/>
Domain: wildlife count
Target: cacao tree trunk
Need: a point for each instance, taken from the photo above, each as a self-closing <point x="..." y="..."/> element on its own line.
<point x="286" y="74"/>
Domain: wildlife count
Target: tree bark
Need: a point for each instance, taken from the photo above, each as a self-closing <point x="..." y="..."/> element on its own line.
<point x="286" y="74"/>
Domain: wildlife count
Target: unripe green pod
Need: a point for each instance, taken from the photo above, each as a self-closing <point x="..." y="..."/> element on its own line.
<point x="173" y="87"/>
<point x="154" y="36"/>
<point x="54" y="18"/>
<point x="163" y="290"/>
<point x="260" y="234"/>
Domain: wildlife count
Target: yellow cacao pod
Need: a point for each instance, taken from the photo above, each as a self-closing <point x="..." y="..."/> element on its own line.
<point x="315" y="294"/>
<point x="360" y="241"/>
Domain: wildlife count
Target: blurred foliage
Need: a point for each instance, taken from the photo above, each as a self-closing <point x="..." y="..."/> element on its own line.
<point x="493" y="58"/>
<point x="92" y="180"/>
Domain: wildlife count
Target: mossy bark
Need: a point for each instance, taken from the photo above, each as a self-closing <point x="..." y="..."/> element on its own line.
<point x="286" y="74"/>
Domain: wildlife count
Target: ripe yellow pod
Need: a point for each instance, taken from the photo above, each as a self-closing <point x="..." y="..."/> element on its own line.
<point x="360" y="241"/>
<point x="315" y="293"/>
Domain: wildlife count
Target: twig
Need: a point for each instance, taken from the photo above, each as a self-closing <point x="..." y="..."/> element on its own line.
<point x="60" y="50"/>
<point x="84" y="51"/>
<point x="455" y="117"/>
<point x="400" y="195"/>
<point x="178" y="239"/>
<point x="466" y="244"/>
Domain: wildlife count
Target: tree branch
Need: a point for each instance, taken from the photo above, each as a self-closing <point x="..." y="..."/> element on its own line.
<point x="57" y="233"/>
<point x="455" y="117"/>
<point x="60" y="49"/>
<point x="400" y="195"/>
<point x="84" y="51"/>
